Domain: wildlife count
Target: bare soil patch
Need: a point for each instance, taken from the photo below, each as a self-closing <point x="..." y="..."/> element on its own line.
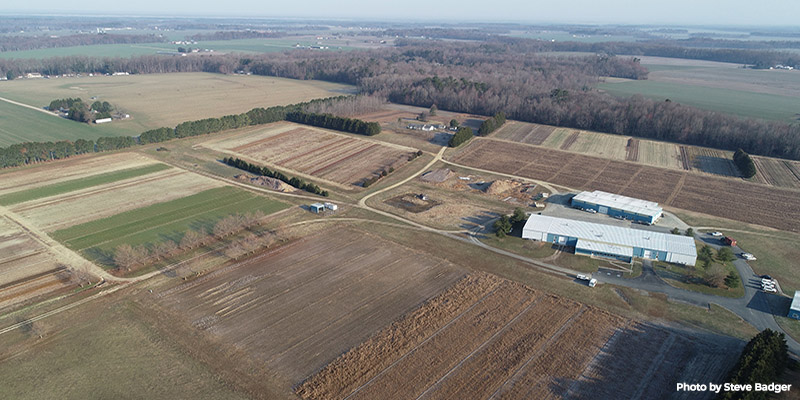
<point x="412" y="202"/>
<point x="486" y="337"/>
<point x="632" y="150"/>
<point x="298" y="307"/>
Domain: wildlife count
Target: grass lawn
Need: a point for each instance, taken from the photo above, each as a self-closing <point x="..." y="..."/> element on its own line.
<point x="742" y="103"/>
<point x="691" y="278"/>
<point x="790" y="326"/>
<point x="104" y="352"/>
<point x="78" y="184"/>
<point x="162" y="221"/>
<point x="20" y="124"/>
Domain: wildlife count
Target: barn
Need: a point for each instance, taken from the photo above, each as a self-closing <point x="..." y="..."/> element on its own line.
<point x="612" y="242"/>
<point x="794" y="309"/>
<point x="614" y="205"/>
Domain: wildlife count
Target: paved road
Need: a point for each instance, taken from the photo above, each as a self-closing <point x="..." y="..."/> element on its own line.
<point x="756" y="307"/>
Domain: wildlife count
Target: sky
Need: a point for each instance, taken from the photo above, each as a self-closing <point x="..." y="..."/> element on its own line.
<point x="673" y="12"/>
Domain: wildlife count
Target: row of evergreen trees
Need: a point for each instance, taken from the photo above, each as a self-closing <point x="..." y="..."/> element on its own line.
<point x="331" y="121"/>
<point x="33" y="152"/>
<point x="264" y="171"/>
<point x="462" y="135"/>
<point x="744" y="163"/>
<point x="491" y="124"/>
<point x="763" y="360"/>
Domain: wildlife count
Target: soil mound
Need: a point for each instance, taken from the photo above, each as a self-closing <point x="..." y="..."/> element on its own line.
<point x="267" y="182"/>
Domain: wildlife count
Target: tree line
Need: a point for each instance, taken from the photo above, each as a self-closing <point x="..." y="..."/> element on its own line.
<point x="763" y="360"/>
<point x="492" y="123"/>
<point x="330" y="121"/>
<point x="34" y="152"/>
<point x="18" y="43"/>
<point x="264" y="171"/>
<point x="462" y="135"/>
<point x="485" y="78"/>
<point x="744" y="163"/>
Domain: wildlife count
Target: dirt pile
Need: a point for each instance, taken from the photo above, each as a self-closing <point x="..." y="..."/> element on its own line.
<point x="437" y="175"/>
<point x="267" y="182"/>
<point x="501" y="186"/>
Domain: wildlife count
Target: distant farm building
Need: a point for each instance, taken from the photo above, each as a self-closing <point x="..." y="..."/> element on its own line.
<point x="102" y="120"/>
<point x="612" y="242"/>
<point x="614" y="205"/>
<point x="794" y="309"/>
<point x="317" y="208"/>
<point x="331" y="206"/>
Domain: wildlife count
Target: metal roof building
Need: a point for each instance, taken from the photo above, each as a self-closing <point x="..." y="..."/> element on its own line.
<point x="794" y="309"/>
<point x="609" y="241"/>
<point x="618" y="206"/>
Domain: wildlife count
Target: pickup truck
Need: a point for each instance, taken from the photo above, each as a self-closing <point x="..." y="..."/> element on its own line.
<point x="588" y="278"/>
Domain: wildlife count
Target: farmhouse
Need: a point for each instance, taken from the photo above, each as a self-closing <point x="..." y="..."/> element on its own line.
<point x="614" y="242"/>
<point x="794" y="309"/>
<point x="614" y="205"/>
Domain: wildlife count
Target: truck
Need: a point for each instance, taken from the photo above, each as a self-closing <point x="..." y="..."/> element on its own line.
<point x="729" y="241"/>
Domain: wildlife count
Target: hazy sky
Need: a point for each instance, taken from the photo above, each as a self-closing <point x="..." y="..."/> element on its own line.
<point x="706" y="12"/>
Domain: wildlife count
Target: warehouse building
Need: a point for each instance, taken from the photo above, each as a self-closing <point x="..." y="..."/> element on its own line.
<point x="637" y="210"/>
<point x="794" y="309"/>
<point x="613" y="242"/>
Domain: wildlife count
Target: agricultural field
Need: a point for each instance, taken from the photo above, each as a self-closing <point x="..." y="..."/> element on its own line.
<point x="21" y="124"/>
<point x="744" y="103"/>
<point x="166" y="219"/>
<point x="600" y="145"/>
<point x="712" y="161"/>
<point x="158" y="100"/>
<point x="299" y="306"/>
<point x="487" y="337"/>
<point x="524" y="132"/>
<point x="723" y="197"/>
<point x="345" y="160"/>
<point x="775" y="172"/>
<point x="27" y="267"/>
<point x="660" y="154"/>
<point x="98" y="50"/>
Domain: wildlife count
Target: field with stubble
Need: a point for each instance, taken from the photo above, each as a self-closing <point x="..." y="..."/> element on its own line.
<point x="486" y="337"/>
<point x="298" y="307"/>
<point x="333" y="157"/>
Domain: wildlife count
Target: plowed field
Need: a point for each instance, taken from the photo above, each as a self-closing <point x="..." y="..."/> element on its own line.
<point x="304" y="304"/>
<point x="725" y="197"/>
<point x="311" y="151"/>
<point x="486" y="337"/>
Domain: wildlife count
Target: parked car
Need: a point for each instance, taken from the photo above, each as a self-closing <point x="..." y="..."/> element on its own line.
<point x="770" y="290"/>
<point x="748" y="256"/>
<point x="715" y="234"/>
<point x="766" y="277"/>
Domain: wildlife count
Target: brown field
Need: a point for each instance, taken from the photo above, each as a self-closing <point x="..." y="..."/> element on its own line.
<point x="311" y="151"/>
<point x="73" y="168"/>
<point x="486" y="337"/>
<point x="524" y="132"/>
<point x="660" y="154"/>
<point x="712" y="161"/>
<point x="72" y="208"/>
<point x="27" y="268"/>
<point x="724" y="197"/>
<point x="385" y="116"/>
<point x="298" y="307"/>
<point x="781" y="173"/>
<point x="572" y="138"/>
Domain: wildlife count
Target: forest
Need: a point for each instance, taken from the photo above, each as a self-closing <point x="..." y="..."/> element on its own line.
<point x="482" y="78"/>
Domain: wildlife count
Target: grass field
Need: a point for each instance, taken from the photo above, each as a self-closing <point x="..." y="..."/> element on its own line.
<point x="78" y="184"/>
<point x="659" y="154"/>
<point x="155" y="100"/>
<point x="739" y="102"/>
<point x="103" y="351"/>
<point x="98" y="50"/>
<point x="167" y="220"/>
<point x="20" y="124"/>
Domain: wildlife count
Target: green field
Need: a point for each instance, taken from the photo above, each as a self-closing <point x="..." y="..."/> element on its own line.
<point x="738" y="102"/>
<point x="130" y="50"/>
<point x="78" y="184"/>
<point x="162" y="221"/>
<point x="20" y="124"/>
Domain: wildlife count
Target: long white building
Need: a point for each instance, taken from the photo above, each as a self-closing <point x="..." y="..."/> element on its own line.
<point x="616" y="205"/>
<point x="608" y="241"/>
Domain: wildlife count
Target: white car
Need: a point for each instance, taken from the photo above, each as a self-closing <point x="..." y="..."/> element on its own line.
<point x="770" y="289"/>
<point x="767" y="282"/>
<point x="748" y="256"/>
<point x="715" y="234"/>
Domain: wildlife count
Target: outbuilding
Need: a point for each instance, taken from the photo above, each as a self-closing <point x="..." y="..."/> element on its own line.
<point x="317" y="208"/>
<point x="794" y="309"/>
<point x="612" y="242"/>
